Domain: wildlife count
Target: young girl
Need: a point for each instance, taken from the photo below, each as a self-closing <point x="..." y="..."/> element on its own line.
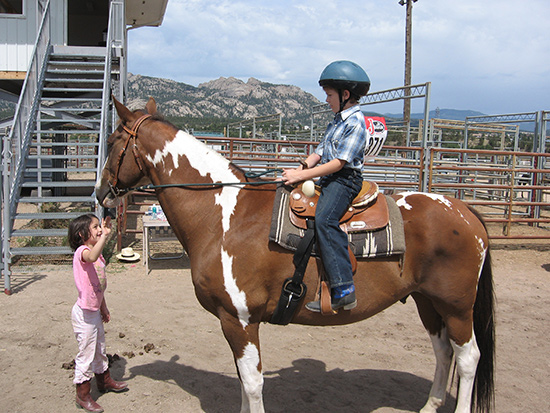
<point x="88" y="237"/>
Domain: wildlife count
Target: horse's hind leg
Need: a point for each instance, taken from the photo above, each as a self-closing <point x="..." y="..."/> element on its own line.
<point x="467" y="357"/>
<point x="443" y="352"/>
<point x="443" y="356"/>
<point x="245" y="344"/>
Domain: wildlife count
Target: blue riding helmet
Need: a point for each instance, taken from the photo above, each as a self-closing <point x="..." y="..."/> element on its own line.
<point x="344" y="74"/>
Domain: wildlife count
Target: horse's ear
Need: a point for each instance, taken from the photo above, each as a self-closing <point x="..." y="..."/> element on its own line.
<point x="124" y="113"/>
<point x="151" y="106"/>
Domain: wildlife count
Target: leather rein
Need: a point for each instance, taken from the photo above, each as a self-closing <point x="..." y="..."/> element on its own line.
<point x="132" y="135"/>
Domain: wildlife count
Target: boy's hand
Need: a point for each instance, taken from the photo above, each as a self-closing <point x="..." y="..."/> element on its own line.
<point x="291" y="176"/>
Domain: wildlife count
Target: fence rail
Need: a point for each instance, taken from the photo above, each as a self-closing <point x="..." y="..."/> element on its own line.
<point x="509" y="188"/>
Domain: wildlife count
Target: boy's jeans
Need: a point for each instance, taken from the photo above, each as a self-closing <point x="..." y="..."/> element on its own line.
<point x="337" y="193"/>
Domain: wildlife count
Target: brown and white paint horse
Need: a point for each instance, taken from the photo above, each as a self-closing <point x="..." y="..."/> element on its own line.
<point x="237" y="273"/>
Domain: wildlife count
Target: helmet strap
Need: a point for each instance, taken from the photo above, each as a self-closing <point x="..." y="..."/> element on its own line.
<point x="343" y="102"/>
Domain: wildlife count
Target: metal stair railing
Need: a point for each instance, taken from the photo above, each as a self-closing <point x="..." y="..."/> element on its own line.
<point x="16" y="146"/>
<point x="115" y="45"/>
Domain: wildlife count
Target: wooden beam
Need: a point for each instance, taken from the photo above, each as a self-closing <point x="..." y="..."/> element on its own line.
<point x="12" y="75"/>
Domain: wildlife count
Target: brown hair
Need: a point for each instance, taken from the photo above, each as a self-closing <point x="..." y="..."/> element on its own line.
<point x="79" y="230"/>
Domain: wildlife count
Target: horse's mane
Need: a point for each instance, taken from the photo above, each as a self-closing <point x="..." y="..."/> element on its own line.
<point x="157" y="116"/>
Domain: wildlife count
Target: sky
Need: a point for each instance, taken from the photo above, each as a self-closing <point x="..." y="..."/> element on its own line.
<point x="491" y="56"/>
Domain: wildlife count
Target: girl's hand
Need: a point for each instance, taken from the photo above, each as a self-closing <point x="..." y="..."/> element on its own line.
<point x="106" y="226"/>
<point x="105" y="315"/>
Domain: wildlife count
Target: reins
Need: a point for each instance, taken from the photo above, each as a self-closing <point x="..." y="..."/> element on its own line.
<point x="132" y="134"/>
<point x="212" y="185"/>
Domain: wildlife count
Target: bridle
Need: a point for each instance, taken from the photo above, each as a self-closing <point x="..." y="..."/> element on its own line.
<point x="132" y="135"/>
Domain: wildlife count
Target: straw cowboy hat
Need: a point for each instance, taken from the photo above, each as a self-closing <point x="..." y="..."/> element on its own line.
<point x="128" y="254"/>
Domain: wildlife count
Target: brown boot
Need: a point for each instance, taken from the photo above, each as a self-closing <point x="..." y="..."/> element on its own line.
<point x="84" y="400"/>
<point x="105" y="383"/>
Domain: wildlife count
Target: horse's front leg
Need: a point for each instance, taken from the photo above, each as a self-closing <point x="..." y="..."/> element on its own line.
<point x="245" y="344"/>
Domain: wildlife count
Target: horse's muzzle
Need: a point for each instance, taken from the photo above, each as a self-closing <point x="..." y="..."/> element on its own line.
<point x="107" y="195"/>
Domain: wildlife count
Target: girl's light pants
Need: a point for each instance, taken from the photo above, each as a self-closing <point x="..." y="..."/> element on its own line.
<point x="90" y="335"/>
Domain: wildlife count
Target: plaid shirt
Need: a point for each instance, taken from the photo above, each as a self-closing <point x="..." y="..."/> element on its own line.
<point x="345" y="139"/>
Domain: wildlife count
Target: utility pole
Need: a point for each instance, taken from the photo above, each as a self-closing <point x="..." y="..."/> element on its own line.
<point x="408" y="53"/>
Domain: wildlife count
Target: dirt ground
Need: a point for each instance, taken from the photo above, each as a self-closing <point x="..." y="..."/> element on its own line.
<point x="175" y="359"/>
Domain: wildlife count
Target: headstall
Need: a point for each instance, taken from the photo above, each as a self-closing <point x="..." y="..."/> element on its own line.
<point x="132" y="135"/>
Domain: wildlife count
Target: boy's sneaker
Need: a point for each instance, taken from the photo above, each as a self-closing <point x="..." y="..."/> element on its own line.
<point x="346" y="302"/>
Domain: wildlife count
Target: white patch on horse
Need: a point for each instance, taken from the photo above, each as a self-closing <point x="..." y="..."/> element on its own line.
<point x="467" y="357"/>
<point x="439" y="198"/>
<point x="252" y="379"/>
<point x="207" y="162"/>
<point x="238" y="297"/>
<point x="463" y="217"/>
<point x="443" y="355"/>
<point x="403" y="201"/>
<point x="99" y="179"/>
<point x="482" y="250"/>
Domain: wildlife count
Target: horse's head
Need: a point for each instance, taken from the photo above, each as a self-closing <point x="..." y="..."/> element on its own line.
<point x="123" y="168"/>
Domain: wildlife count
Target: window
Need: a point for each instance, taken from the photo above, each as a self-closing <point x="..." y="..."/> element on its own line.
<point x="11" y="6"/>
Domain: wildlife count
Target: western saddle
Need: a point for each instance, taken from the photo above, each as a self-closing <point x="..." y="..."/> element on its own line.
<point x="368" y="212"/>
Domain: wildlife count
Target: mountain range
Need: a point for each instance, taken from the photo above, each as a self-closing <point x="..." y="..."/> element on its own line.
<point x="231" y="98"/>
<point x="224" y="98"/>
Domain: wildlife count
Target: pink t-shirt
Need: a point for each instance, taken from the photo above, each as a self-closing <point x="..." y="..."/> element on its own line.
<point x="90" y="280"/>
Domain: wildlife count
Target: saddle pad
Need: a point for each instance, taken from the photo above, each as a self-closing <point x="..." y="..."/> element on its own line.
<point x="383" y="242"/>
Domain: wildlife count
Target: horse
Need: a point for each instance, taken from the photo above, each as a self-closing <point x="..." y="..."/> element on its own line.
<point x="223" y="222"/>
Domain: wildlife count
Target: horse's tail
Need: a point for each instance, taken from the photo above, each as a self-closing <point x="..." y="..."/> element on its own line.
<point x="484" y="328"/>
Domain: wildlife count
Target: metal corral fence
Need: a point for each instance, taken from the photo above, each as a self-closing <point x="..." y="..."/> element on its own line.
<point x="510" y="189"/>
<point x="396" y="167"/>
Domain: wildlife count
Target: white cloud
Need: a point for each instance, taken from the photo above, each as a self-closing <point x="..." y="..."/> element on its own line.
<point x="491" y="55"/>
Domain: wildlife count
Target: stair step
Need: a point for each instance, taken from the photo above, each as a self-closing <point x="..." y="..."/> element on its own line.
<point x="81" y="99"/>
<point x="59" y="184"/>
<point x="77" y="57"/>
<point x="57" y="60"/>
<point x="48" y="109"/>
<point x="67" y="131"/>
<point x="41" y="251"/>
<point x="63" y="156"/>
<point x="69" y="89"/>
<point x="50" y="232"/>
<point x="72" y="80"/>
<point x="57" y="199"/>
<point x="56" y="120"/>
<point x="48" y="215"/>
<point x="59" y="71"/>
<point x="68" y="170"/>
<point x="79" y="51"/>
<point x="54" y="131"/>
<point x="46" y="144"/>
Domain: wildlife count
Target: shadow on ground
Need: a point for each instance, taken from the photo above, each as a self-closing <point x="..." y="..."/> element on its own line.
<point x="306" y="386"/>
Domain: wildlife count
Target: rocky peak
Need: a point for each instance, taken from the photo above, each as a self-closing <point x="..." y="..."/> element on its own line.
<point x="224" y="98"/>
